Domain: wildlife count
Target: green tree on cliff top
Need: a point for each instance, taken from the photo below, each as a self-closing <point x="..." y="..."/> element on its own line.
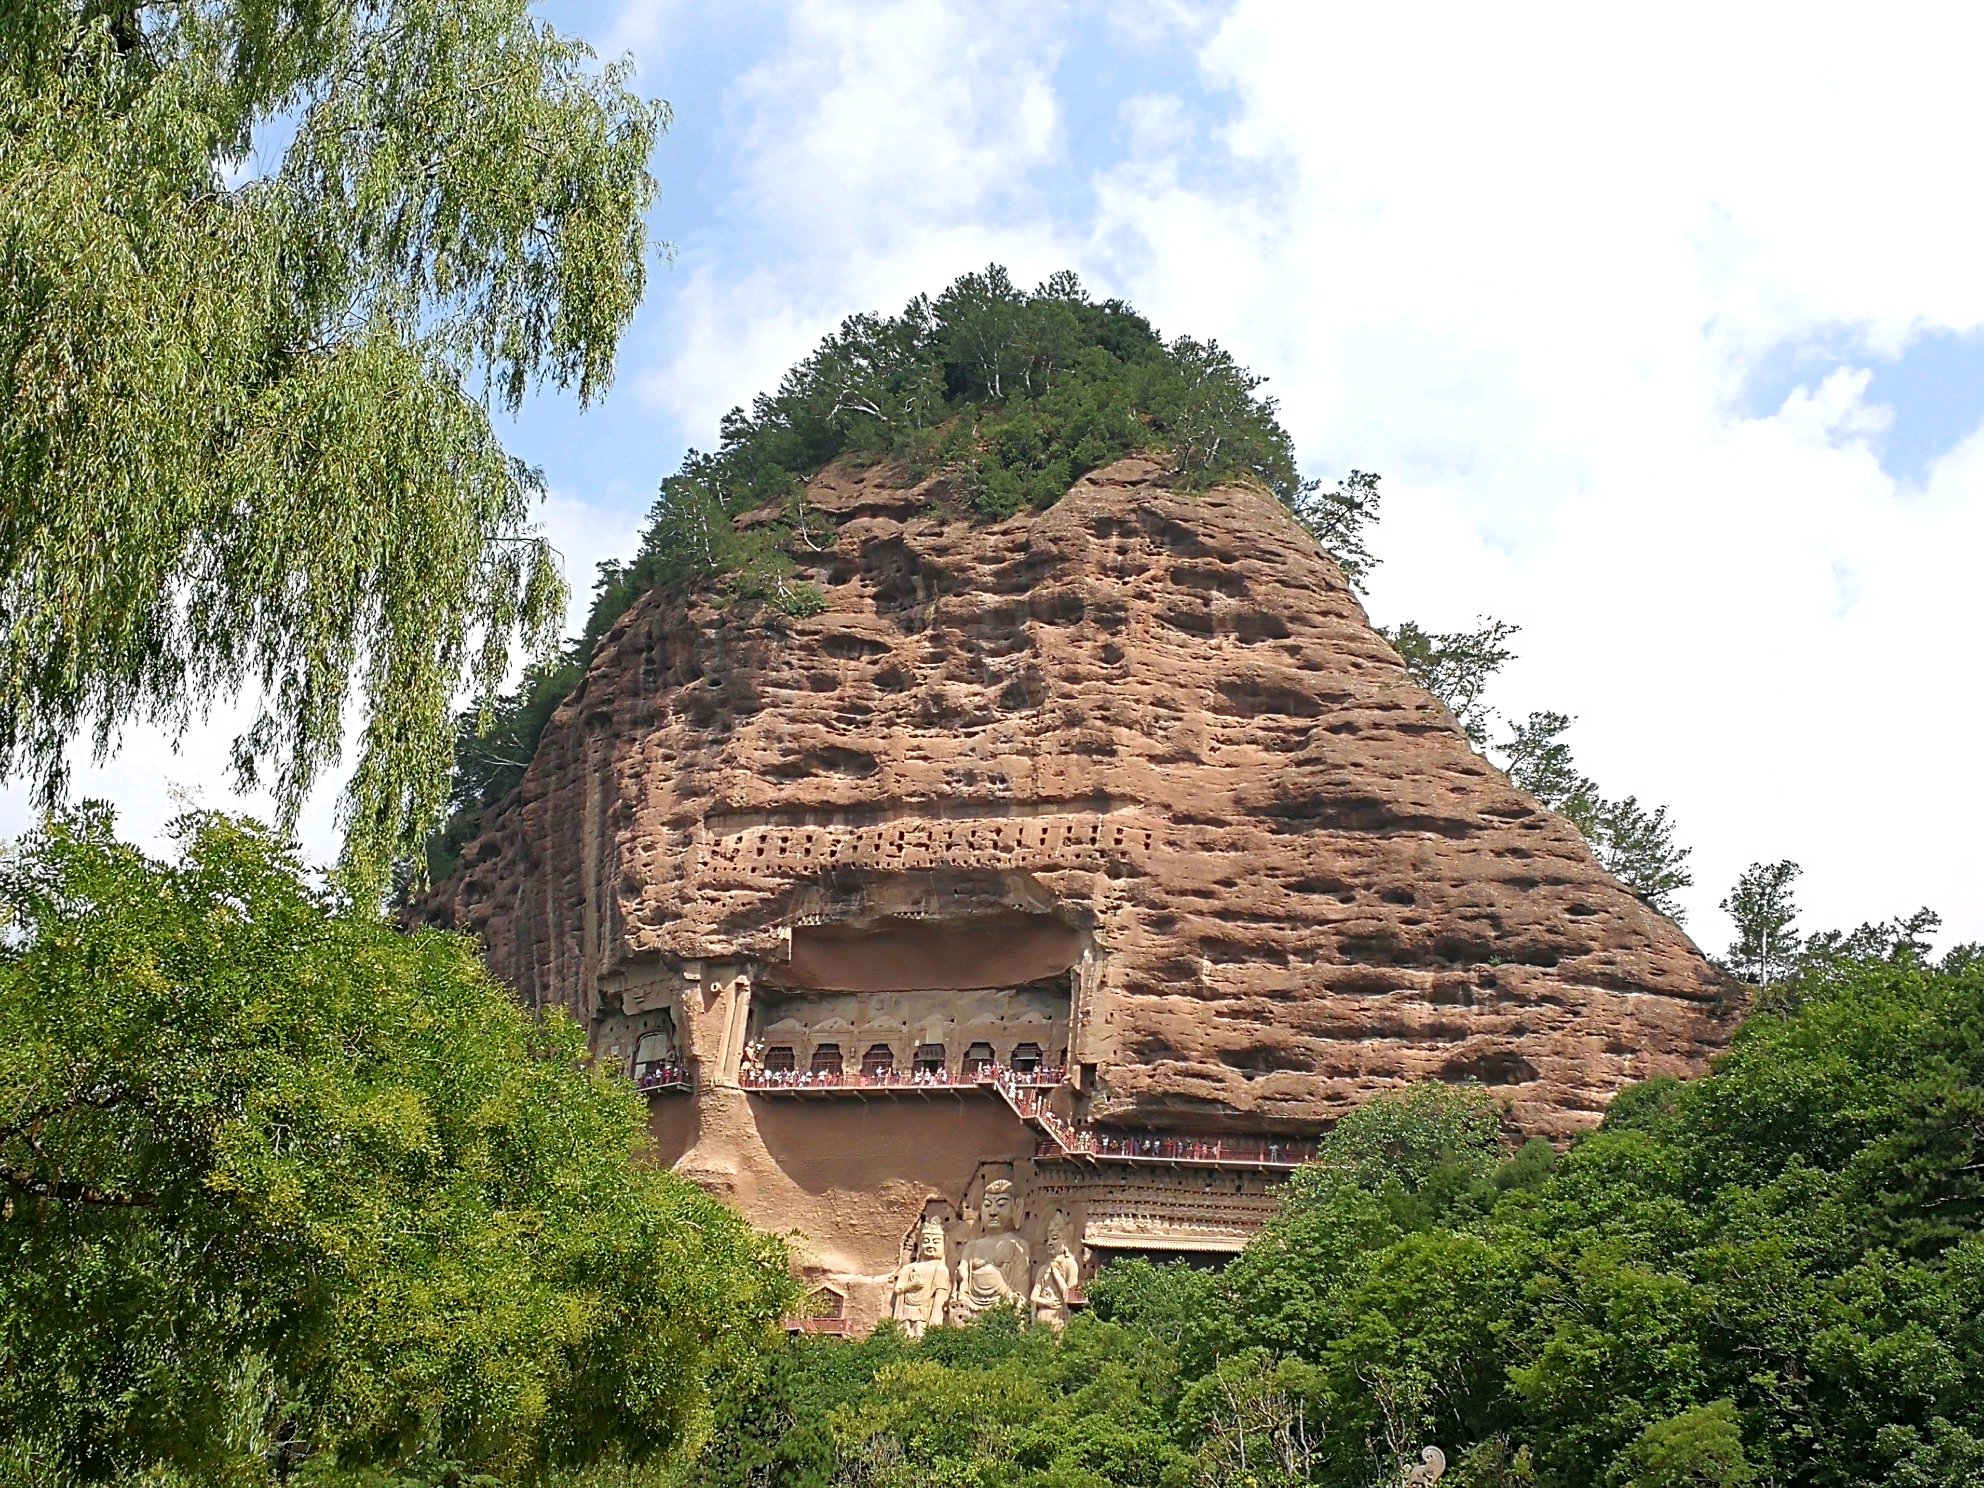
<point x="245" y="430"/>
<point x="1008" y="395"/>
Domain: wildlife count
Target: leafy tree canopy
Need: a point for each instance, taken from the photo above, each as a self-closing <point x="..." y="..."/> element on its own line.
<point x="291" y="1195"/>
<point x="1008" y="394"/>
<point x="1635" y="845"/>
<point x="245" y="430"/>
<point x="1770" y="1274"/>
<point x="1766" y="945"/>
<point x="1456" y="667"/>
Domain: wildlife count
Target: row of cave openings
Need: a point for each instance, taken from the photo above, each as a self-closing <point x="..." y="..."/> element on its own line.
<point x="657" y="1054"/>
<point x="1025" y="1058"/>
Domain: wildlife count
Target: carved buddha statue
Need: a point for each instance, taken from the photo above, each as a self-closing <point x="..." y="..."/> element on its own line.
<point x="923" y="1285"/>
<point x="994" y="1268"/>
<point x="1057" y="1275"/>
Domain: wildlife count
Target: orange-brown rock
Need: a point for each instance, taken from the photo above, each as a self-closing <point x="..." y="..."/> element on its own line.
<point x="1144" y="741"/>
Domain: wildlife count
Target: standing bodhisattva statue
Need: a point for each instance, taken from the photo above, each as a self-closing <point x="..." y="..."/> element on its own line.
<point x="923" y="1285"/>
<point x="993" y="1269"/>
<point x="1057" y="1275"/>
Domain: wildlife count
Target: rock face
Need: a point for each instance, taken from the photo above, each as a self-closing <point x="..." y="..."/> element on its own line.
<point x="1130" y="788"/>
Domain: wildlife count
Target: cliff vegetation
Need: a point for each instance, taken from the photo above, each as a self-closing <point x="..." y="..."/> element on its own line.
<point x="1009" y="395"/>
<point x="1773" y="1274"/>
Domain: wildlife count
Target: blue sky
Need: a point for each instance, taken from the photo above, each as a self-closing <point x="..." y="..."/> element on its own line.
<point x="723" y="75"/>
<point x="1665" y="333"/>
<point x="1931" y="388"/>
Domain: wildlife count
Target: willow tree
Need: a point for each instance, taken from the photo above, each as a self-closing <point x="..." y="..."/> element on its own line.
<point x="267" y="268"/>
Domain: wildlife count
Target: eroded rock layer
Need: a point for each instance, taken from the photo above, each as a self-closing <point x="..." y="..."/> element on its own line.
<point x="1142" y="751"/>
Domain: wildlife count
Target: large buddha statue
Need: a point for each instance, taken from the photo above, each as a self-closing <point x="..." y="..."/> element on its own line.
<point x="923" y="1285"/>
<point x="1057" y="1276"/>
<point x="994" y="1268"/>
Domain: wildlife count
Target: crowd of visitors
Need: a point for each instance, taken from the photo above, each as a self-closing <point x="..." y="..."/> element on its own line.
<point x="756" y="1076"/>
<point x="664" y="1076"/>
<point x="1087" y="1141"/>
<point x="1027" y="1091"/>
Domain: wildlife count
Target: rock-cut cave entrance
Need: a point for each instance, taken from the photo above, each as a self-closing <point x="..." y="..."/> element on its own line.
<point x="920" y="997"/>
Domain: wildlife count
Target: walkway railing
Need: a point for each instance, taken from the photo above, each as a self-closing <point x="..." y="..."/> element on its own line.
<point x="661" y="1078"/>
<point x="1028" y="1093"/>
<point x="1087" y="1142"/>
<point x="856" y="1081"/>
<point x="832" y="1327"/>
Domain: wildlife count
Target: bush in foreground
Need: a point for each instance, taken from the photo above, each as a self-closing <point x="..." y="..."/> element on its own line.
<point x="289" y="1194"/>
<point x="1770" y="1274"/>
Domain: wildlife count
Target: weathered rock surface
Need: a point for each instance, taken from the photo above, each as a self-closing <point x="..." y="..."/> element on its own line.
<point x="1158" y="724"/>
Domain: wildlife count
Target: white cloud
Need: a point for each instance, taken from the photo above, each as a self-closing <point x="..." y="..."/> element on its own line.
<point x="153" y="778"/>
<point x="585" y="534"/>
<point x="640" y="30"/>
<point x="882" y="150"/>
<point x="1521" y="267"/>
<point x="1835" y="411"/>
<point x="1149" y="24"/>
<point x="874" y="118"/>
<point x="1520" y="262"/>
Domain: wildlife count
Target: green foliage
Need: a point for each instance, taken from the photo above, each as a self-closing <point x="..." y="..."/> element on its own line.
<point x="1903" y="939"/>
<point x="1338" y="516"/>
<point x="245" y="430"/>
<point x="1634" y="845"/>
<point x="991" y="1405"/>
<point x="1255" y="1418"/>
<point x="1008" y="395"/>
<point x="1536" y="759"/>
<point x="1700" y="1448"/>
<point x="1456" y="667"/>
<point x="289" y="1193"/>
<point x="1164" y="1299"/>
<point x="1771" y="1274"/>
<point x="1766" y="946"/>
<point x="1011" y="395"/>
<point x="1637" y="847"/>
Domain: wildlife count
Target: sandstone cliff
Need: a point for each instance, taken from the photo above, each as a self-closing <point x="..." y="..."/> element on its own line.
<point x="1157" y="721"/>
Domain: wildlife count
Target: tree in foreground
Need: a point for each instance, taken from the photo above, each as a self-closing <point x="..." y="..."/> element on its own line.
<point x="245" y="431"/>
<point x="289" y="1195"/>
<point x="1770" y="1274"/>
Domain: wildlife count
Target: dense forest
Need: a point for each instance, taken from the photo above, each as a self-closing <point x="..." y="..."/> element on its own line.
<point x="293" y="1197"/>
<point x="1772" y="1274"/>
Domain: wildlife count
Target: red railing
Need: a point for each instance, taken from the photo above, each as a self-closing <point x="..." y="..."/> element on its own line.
<point x="1029" y="1093"/>
<point x="1216" y="1151"/>
<point x="894" y="1079"/>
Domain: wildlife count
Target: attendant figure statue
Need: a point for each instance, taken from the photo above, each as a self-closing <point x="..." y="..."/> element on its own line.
<point x="923" y="1285"/>
<point x="992" y="1269"/>
<point x="1057" y="1275"/>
